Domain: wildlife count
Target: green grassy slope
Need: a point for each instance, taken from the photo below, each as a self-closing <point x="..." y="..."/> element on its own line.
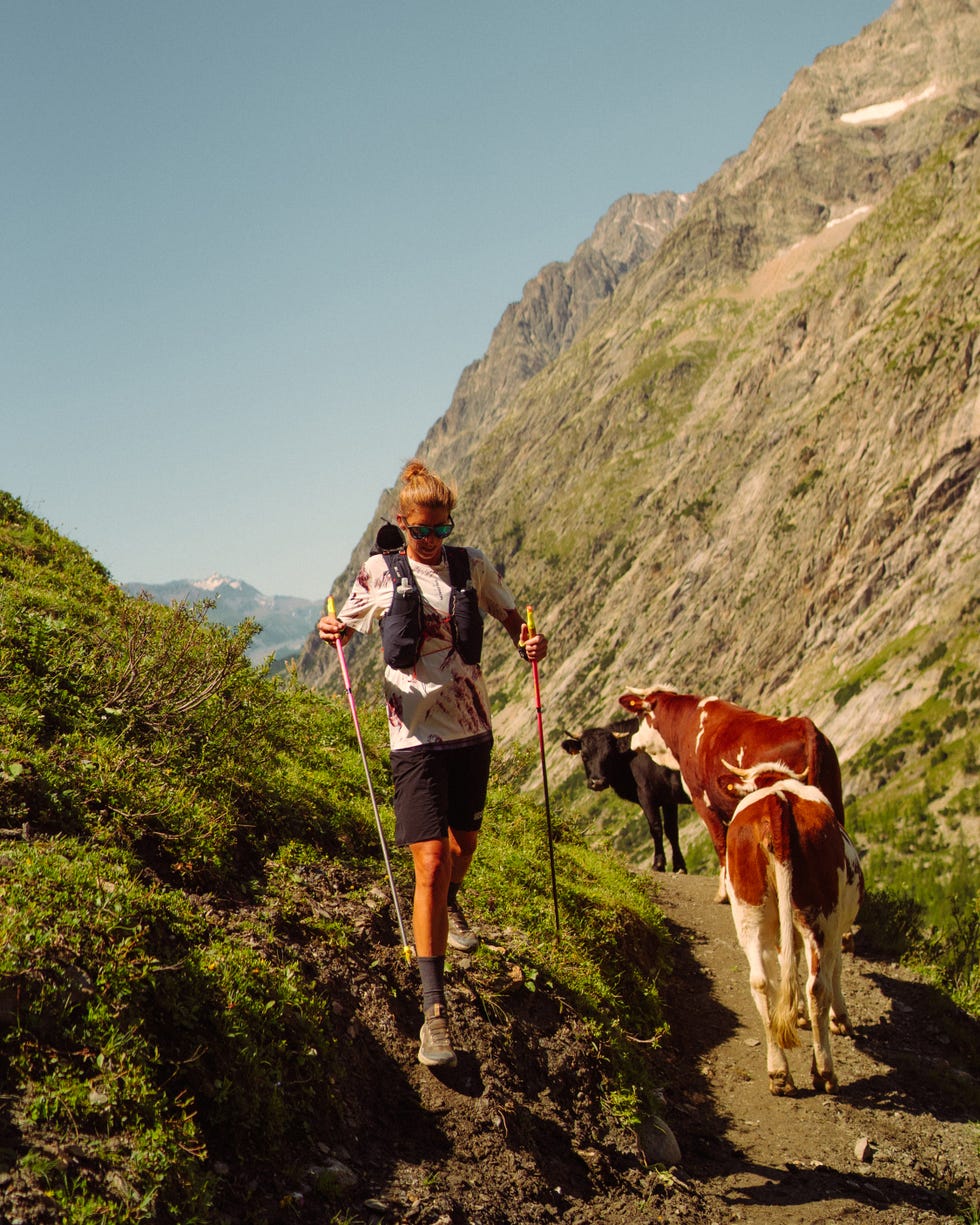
<point x="168" y="1042"/>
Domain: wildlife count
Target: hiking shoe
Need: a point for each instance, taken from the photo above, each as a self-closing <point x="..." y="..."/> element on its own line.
<point x="460" y="935"/>
<point x="435" y="1049"/>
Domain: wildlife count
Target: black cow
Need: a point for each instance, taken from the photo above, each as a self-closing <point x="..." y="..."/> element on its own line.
<point x="610" y="761"/>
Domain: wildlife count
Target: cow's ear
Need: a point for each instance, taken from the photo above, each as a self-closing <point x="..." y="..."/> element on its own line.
<point x="731" y="784"/>
<point x="574" y="747"/>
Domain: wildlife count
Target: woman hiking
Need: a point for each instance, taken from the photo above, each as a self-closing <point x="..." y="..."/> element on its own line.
<point x="429" y="601"/>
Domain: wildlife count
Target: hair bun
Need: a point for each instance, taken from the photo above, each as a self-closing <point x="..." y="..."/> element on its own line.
<point x="420" y="487"/>
<point x="414" y="470"/>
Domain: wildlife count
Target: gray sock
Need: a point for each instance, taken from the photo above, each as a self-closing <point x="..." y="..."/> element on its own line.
<point x="431" y="971"/>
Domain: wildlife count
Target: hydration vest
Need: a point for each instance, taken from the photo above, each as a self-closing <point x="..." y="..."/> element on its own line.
<point x="403" y="624"/>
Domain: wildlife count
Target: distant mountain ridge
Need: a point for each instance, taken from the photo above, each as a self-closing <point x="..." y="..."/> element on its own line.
<point x="286" y="621"/>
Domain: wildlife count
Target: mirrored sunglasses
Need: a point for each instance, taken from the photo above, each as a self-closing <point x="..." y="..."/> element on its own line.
<point x="421" y="531"/>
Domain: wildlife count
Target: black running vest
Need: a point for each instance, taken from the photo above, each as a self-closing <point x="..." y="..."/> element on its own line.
<point x="402" y="625"/>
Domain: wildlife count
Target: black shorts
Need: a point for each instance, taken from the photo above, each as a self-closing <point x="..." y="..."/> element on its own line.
<point x="438" y="789"/>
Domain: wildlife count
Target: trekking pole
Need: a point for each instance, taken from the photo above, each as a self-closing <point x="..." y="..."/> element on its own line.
<point x="332" y="610"/>
<point x="544" y="774"/>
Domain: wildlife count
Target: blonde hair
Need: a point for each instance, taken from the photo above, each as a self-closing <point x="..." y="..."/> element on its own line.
<point x="420" y="487"/>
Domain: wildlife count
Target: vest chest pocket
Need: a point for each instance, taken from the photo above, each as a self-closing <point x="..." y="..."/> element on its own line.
<point x="467" y="623"/>
<point x="401" y="626"/>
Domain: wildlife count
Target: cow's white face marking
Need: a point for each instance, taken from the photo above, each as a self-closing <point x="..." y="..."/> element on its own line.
<point x="648" y="740"/>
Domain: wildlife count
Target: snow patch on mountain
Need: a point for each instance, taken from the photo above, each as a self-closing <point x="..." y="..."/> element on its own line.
<point x="882" y="111"/>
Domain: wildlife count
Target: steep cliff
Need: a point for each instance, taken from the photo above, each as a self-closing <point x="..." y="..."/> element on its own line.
<point x="751" y="469"/>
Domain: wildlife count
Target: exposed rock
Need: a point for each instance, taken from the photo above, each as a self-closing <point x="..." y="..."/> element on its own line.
<point x="335" y="1174"/>
<point x="657" y="1143"/>
<point x="863" y="1150"/>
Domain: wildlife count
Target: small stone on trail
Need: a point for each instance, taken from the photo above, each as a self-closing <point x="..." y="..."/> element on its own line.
<point x="337" y="1175"/>
<point x="863" y="1150"/>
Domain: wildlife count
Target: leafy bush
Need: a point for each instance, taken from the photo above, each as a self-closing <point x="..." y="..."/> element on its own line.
<point x="844" y="694"/>
<point x="891" y="922"/>
<point x="80" y="966"/>
<point x="923" y="897"/>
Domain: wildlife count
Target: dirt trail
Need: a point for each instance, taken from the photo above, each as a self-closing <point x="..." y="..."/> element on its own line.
<point x="521" y="1130"/>
<point x="909" y="1092"/>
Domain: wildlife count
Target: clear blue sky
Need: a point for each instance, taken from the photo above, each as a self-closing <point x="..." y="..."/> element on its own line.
<point x="246" y="249"/>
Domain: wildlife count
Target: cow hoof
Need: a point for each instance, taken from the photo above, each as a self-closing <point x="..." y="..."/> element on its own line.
<point x="841" y="1025"/>
<point x="826" y="1084"/>
<point x="660" y="865"/>
<point x="781" y="1084"/>
<point x="681" y="868"/>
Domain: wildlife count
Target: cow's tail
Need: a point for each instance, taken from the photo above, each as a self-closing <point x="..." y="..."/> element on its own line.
<point x="783" y="1022"/>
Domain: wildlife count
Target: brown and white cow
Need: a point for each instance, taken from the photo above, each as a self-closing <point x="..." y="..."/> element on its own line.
<point x="705" y="733"/>
<point x="794" y="879"/>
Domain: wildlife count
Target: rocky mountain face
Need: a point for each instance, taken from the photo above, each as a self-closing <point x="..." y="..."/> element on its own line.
<point x="747" y="463"/>
<point x="285" y="620"/>
<point x="553" y="309"/>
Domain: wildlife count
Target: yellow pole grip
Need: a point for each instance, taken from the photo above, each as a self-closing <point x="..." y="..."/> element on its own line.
<point x="529" y="619"/>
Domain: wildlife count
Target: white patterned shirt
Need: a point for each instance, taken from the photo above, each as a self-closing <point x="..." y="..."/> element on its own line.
<point x="442" y="700"/>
